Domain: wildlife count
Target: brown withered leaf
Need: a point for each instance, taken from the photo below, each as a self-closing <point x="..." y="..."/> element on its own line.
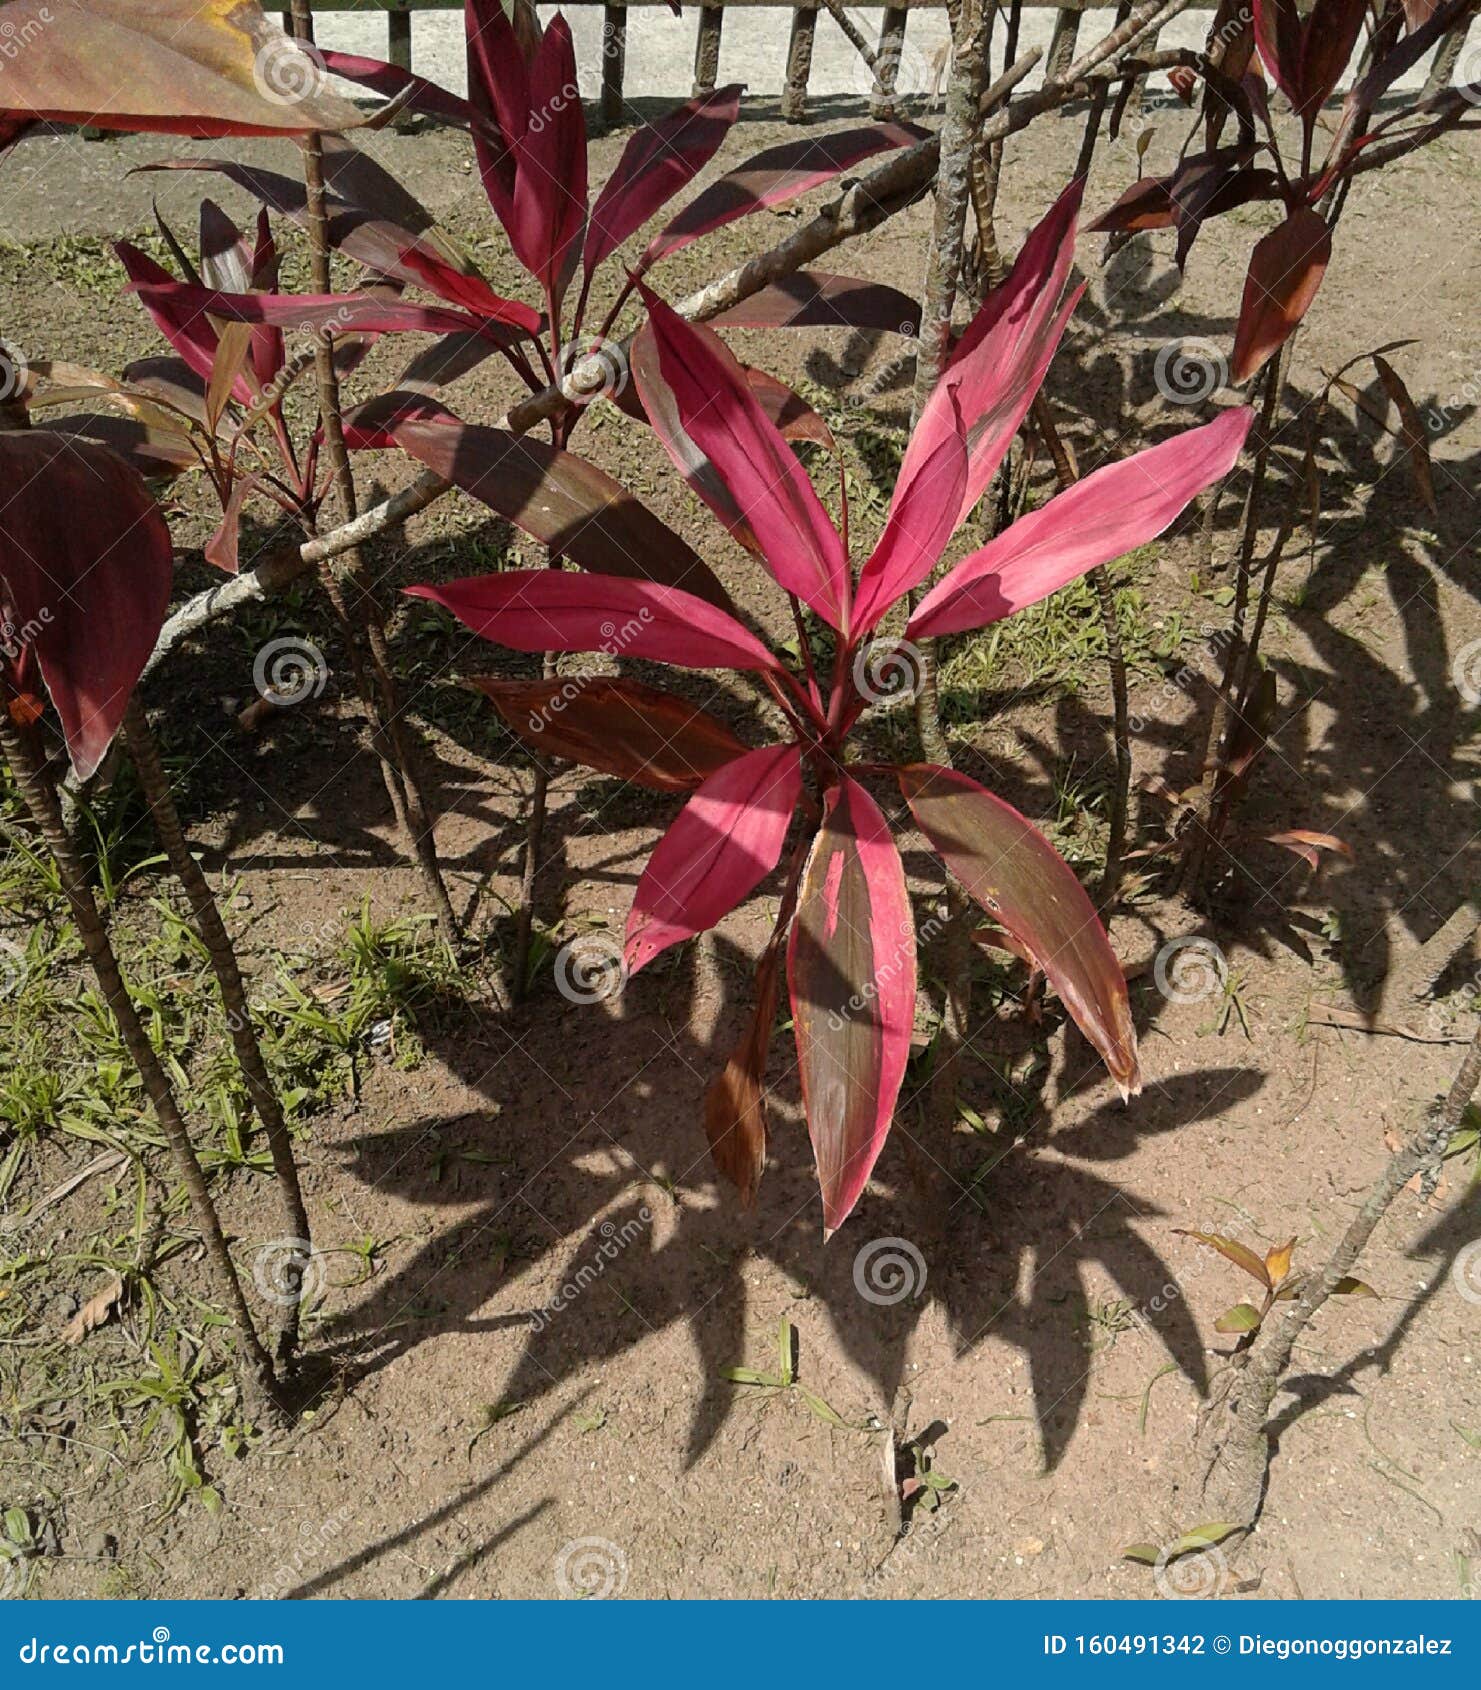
<point x="1411" y="431"/>
<point x="735" y="1104"/>
<point x="95" y="1312"/>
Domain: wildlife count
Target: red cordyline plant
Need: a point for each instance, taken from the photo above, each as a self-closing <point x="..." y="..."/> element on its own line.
<point x="845" y="913"/>
<point x="525" y="116"/>
<point x="1305" y="57"/>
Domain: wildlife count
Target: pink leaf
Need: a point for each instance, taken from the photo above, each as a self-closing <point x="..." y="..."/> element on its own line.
<point x="657" y="161"/>
<point x="1117" y="508"/>
<point x="776" y="175"/>
<point x="391" y="81"/>
<point x="851" y="974"/>
<point x="723" y="844"/>
<point x="923" y="517"/>
<point x="85" y="573"/>
<point x="555" y="610"/>
<point x="723" y="418"/>
<point x="180" y="318"/>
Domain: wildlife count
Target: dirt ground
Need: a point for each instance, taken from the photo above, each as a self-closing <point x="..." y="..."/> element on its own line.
<point x="524" y="1388"/>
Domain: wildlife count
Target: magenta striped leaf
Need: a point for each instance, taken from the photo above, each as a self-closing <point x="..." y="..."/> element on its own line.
<point x="717" y="851"/>
<point x="559" y="610"/>
<point x="851" y="973"/>
<point x="722" y="418"/>
<point x="1017" y="876"/>
<point x="1112" y="511"/>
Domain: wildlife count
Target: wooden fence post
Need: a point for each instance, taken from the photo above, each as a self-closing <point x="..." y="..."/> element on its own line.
<point x="887" y="62"/>
<point x="614" y="61"/>
<point x="799" y="64"/>
<point x="707" y="50"/>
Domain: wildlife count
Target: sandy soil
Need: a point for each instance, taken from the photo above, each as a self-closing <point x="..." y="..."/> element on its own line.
<point x="1058" y="1331"/>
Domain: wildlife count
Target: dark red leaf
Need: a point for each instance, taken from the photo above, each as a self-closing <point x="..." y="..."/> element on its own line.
<point x="1286" y="269"/>
<point x="776" y="175"/>
<point x="85" y="573"/>
<point x="657" y="161"/>
<point x="735" y="1104"/>
<point x="816" y="299"/>
<point x="565" y="502"/>
<point x="617" y="727"/>
<point x="1023" y="883"/>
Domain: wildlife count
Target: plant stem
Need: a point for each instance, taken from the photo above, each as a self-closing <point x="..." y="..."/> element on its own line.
<point x="144" y="750"/>
<point x="1201" y="830"/>
<point x="41" y="801"/>
<point x="399" y="762"/>
<point x="1065" y="474"/>
<point x="1241" y="1457"/>
<point x="943" y="267"/>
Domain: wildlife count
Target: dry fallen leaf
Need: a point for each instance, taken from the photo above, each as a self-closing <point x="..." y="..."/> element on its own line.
<point x="94" y="1312"/>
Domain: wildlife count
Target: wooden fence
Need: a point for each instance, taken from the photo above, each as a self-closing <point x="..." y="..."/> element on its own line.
<point x="884" y="59"/>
